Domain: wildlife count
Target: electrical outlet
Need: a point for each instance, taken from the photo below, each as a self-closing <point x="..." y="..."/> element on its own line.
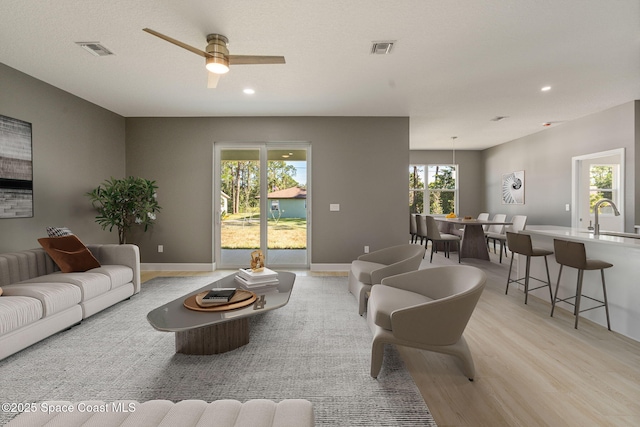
<point x="567" y="207"/>
<point x="160" y="248"/>
<point x="366" y="249"/>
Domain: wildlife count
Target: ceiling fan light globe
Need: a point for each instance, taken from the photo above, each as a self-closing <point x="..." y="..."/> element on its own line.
<point x="218" y="65"/>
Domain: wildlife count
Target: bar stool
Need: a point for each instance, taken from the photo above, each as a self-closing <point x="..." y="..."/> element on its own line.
<point x="521" y="244"/>
<point x="573" y="254"/>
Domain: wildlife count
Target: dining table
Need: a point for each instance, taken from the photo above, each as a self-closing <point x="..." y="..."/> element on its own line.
<point x="474" y="243"/>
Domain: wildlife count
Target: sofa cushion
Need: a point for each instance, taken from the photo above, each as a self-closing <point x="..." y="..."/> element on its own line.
<point x="362" y="270"/>
<point x="90" y="284"/>
<point x="120" y="275"/>
<point x="385" y="300"/>
<point x="55" y="297"/>
<point x="17" y="311"/>
<point x="185" y="413"/>
<point x="69" y="253"/>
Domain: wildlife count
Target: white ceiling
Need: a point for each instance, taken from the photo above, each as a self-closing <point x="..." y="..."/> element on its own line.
<point x="456" y="64"/>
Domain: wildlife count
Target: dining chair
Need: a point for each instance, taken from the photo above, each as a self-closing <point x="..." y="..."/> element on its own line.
<point x="518" y="223"/>
<point x="413" y="227"/>
<point x="495" y="230"/>
<point x="433" y="234"/>
<point x="483" y="217"/>
<point x="421" y="227"/>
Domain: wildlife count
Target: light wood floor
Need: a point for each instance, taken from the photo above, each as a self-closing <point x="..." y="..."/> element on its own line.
<point x="531" y="369"/>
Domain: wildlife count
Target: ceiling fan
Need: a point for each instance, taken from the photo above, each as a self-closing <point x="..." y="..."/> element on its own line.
<point x="217" y="55"/>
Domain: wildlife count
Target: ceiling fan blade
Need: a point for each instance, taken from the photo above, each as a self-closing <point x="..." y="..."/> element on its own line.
<point x="254" y="59"/>
<point x="178" y="43"/>
<point x="212" y="82"/>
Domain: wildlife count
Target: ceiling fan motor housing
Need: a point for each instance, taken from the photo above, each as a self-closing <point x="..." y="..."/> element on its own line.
<point x="217" y="47"/>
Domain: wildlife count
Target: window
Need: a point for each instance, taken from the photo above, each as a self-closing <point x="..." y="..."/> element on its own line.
<point x="603" y="185"/>
<point x="439" y="185"/>
<point x="416" y="189"/>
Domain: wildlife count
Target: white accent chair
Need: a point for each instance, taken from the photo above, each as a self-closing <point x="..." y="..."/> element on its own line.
<point x="427" y="309"/>
<point x="369" y="269"/>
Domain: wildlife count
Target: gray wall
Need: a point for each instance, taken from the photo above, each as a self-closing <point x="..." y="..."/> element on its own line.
<point x="471" y="168"/>
<point x="360" y="163"/>
<point x="76" y="145"/>
<point x="546" y="159"/>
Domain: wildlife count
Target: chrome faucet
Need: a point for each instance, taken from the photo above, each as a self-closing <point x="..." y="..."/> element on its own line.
<point x="596" y="208"/>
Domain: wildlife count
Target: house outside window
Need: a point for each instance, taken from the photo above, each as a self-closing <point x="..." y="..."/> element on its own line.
<point x="436" y="183"/>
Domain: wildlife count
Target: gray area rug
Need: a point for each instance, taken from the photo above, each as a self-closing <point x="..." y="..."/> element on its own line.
<point x="317" y="347"/>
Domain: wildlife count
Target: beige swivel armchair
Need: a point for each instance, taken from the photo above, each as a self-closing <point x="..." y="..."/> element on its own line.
<point x="369" y="269"/>
<point x="427" y="309"/>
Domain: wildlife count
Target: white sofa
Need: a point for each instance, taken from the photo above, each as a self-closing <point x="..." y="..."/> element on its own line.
<point x="38" y="300"/>
<point x="186" y="413"/>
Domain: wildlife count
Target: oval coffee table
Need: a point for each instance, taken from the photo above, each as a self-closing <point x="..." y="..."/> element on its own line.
<point x="214" y="332"/>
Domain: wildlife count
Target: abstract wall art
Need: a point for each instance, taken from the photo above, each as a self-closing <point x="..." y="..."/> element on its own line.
<point x="16" y="169"/>
<point x="513" y="188"/>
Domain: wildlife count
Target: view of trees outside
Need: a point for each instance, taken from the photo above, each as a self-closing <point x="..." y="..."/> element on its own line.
<point x="601" y="185"/>
<point x="416" y="189"/>
<point x="442" y="189"/>
<point x="240" y="225"/>
<point x="441" y="185"/>
<point x="240" y="180"/>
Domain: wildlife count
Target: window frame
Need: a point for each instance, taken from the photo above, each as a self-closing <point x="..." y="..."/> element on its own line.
<point x="614" y="190"/>
<point x="426" y="191"/>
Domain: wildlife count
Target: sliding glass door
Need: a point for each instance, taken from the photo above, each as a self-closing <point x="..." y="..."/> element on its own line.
<point x="263" y="203"/>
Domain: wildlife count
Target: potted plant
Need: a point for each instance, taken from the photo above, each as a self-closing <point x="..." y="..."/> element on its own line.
<point x="123" y="203"/>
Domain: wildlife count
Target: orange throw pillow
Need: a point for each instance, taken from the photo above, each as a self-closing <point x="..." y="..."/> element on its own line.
<point x="69" y="253"/>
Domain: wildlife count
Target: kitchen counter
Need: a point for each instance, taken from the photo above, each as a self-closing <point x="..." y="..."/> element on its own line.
<point x="586" y="236"/>
<point x="622" y="280"/>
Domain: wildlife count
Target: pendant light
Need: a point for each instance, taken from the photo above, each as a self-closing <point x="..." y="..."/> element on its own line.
<point x="453" y="148"/>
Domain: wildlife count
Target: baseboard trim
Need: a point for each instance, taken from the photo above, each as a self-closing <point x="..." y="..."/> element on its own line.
<point x="177" y="266"/>
<point x="330" y="267"/>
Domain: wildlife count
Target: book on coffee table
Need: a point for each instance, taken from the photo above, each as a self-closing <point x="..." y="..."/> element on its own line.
<point x="256" y="276"/>
<point x="219" y="295"/>
<point x="253" y="284"/>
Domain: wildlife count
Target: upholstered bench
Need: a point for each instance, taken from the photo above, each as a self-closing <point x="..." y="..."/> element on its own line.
<point x="220" y="413"/>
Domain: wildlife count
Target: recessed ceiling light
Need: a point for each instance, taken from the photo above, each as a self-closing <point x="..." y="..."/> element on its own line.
<point x="546" y="124"/>
<point x="249" y="91"/>
<point x="546" y="88"/>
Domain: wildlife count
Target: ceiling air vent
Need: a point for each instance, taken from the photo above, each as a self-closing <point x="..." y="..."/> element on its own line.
<point x="95" y="48"/>
<point x="381" y="48"/>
